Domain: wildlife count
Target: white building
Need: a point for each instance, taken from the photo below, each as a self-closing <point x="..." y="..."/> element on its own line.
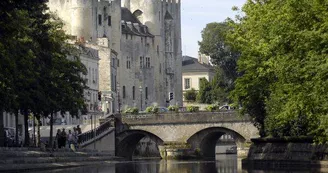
<point x="193" y="71"/>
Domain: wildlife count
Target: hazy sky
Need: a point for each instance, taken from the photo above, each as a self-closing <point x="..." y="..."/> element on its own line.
<point x="196" y="14"/>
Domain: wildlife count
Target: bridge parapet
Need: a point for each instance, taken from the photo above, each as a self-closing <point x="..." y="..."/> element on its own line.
<point x="184" y="117"/>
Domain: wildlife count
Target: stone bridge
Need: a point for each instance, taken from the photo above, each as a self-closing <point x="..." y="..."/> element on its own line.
<point x="180" y="134"/>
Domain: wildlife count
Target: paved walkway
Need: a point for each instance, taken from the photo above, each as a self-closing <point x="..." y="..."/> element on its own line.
<point x="24" y="159"/>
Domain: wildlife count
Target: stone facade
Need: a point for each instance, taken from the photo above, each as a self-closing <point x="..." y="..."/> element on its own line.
<point x="139" y="44"/>
<point x="298" y="153"/>
<point x="197" y="130"/>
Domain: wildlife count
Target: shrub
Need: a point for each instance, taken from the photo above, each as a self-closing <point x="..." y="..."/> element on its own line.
<point x="192" y="108"/>
<point x="174" y="108"/>
<point x="152" y="109"/>
<point x="190" y="95"/>
<point x="132" y="110"/>
<point x="149" y="109"/>
<point x="212" y="108"/>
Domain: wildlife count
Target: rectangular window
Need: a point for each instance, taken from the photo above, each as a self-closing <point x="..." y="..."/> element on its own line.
<point x="160" y="68"/>
<point x="127" y="36"/>
<point x="109" y="21"/>
<point x="124" y="92"/>
<point x="99" y="19"/>
<point x="118" y="62"/>
<point x="147" y="62"/>
<point x="141" y="63"/>
<point x="187" y="83"/>
<point x="146" y="92"/>
<point x="133" y="93"/>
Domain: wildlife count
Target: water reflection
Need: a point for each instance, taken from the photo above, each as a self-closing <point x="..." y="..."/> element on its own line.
<point x="222" y="164"/>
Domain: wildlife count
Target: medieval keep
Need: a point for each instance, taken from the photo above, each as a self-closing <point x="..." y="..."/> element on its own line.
<point x="139" y="49"/>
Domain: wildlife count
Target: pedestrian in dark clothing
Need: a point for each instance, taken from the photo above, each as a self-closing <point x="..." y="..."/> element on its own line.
<point x="78" y="129"/>
<point x="58" y="139"/>
<point x="5" y="138"/>
<point x="64" y="138"/>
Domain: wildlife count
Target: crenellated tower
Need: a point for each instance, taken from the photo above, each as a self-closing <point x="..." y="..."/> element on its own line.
<point x="163" y="18"/>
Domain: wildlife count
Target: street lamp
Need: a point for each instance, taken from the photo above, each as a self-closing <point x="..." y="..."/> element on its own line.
<point x="140" y="88"/>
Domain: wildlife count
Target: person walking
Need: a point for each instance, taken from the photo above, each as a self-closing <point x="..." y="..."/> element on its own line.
<point x="58" y="139"/>
<point x="71" y="140"/>
<point x="64" y="137"/>
<point x="78" y="129"/>
<point x="75" y="138"/>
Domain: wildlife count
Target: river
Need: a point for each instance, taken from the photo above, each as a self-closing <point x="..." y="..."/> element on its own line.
<point x="222" y="164"/>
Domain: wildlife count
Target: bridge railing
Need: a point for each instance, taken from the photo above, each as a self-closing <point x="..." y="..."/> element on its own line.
<point x="185" y="117"/>
<point x="91" y="134"/>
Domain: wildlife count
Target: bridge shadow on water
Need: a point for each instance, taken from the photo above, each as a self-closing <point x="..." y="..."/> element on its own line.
<point x="221" y="164"/>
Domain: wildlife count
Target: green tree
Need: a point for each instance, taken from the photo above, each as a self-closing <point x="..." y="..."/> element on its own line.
<point x="205" y="92"/>
<point x="36" y="74"/>
<point x="215" y="45"/>
<point x="220" y="90"/>
<point x="283" y="47"/>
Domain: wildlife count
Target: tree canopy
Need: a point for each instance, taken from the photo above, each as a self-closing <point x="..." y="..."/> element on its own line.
<point x="37" y="74"/>
<point x="215" y="45"/>
<point x="205" y="92"/>
<point x="284" y="67"/>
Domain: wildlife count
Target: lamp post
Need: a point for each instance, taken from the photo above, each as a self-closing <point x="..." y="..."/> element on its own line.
<point x="140" y="88"/>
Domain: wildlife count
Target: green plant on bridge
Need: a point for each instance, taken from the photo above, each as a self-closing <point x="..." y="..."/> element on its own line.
<point x="132" y="110"/>
<point x="192" y="108"/>
<point x="212" y="108"/>
<point x="152" y="109"/>
<point x="174" y="108"/>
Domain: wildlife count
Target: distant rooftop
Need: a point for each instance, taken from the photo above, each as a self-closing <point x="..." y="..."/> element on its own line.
<point x="190" y="64"/>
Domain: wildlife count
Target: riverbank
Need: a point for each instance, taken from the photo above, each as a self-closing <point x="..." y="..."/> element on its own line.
<point x="300" y="153"/>
<point x="28" y="159"/>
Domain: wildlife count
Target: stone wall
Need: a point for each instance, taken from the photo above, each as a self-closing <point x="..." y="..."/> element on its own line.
<point x="282" y="153"/>
<point x="104" y="142"/>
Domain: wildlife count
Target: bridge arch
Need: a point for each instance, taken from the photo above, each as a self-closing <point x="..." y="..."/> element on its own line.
<point x="206" y="139"/>
<point x="127" y="141"/>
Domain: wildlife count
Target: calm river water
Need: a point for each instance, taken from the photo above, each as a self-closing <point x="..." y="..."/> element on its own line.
<point x="222" y="164"/>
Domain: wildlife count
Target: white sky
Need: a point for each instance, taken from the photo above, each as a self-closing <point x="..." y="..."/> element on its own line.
<point x="196" y="14"/>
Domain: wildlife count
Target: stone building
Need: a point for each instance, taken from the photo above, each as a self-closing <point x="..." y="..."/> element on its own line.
<point x="139" y="48"/>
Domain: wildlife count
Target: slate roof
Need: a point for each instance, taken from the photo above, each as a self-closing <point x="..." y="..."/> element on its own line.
<point x="127" y="16"/>
<point x="190" y="64"/>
